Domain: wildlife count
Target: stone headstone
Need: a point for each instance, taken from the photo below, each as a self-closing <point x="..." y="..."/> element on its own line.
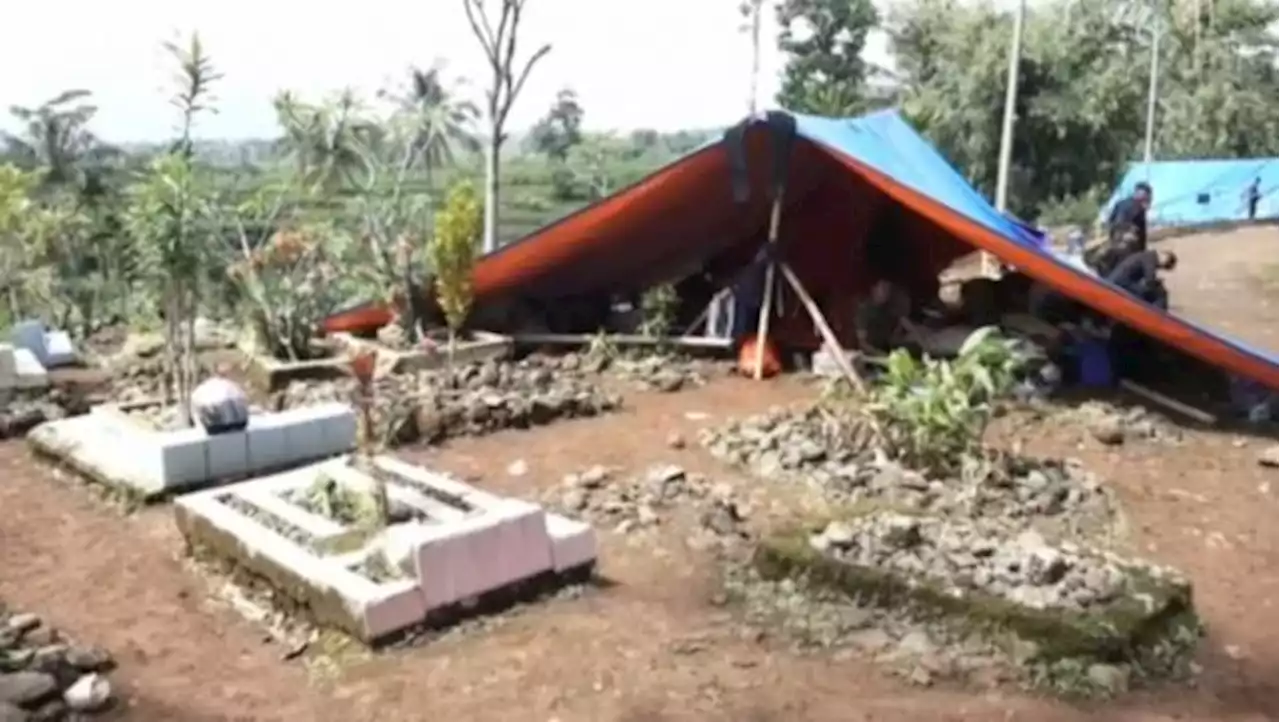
<point x="30" y="372"/>
<point x="59" y="351"/>
<point x="30" y="335"/>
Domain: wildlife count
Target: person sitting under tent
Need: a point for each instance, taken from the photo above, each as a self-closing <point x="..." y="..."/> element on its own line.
<point x="1126" y="230"/>
<point x="882" y="320"/>
<point x="1139" y="274"/>
<point x="219" y="404"/>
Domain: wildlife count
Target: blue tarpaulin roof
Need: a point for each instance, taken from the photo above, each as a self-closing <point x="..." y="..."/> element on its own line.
<point x="1203" y="192"/>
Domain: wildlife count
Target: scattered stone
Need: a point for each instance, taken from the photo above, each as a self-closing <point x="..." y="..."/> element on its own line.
<point x="44" y="680"/>
<point x="90" y="693"/>
<point x="466" y="400"/>
<point x="1108" y="431"/>
<point x="1270" y="457"/>
<point x="519" y="467"/>
<point x="1109" y="678"/>
<point x="1113" y="425"/>
<point x="645" y="501"/>
<point x="813" y="447"/>
<point x="27" y="689"/>
<point x="662" y="372"/>
<point x="675" y="440"/>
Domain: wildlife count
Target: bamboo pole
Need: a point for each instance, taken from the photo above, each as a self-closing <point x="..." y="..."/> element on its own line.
<point x="766" y="304"/>
<point x="819" y="321"/>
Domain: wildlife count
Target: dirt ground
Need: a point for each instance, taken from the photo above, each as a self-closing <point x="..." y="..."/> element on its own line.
<point x="653" y="646"/>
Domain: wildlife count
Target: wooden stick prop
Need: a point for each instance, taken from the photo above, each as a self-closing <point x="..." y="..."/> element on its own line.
<point x="819" y="321"/>
<point x="762" y="324"/>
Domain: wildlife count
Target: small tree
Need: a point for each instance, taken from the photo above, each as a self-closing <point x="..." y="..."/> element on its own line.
<point x="167" y="215"/>
<point x="507" y="77"/>
<point x="453" y="254"/>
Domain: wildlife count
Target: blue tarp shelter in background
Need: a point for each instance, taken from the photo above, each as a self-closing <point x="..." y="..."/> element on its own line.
<point x="1203" y="192"/>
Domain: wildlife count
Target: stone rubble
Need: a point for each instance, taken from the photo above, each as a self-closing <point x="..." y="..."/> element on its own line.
<point x="1060" y="498"/>
<point x="1113" y="425"/>
<point x="45" y="677"/>
<point x="643" y="502"/>
<point x="663" y="372"/>
<point x="963" y="558"/>
<point x="466" y="400"/>
<point x="25" y="410"/>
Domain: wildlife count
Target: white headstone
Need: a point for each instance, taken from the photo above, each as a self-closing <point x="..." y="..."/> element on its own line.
<point x="58" y="349"/>
<point x="30" y="336"/>
<point x="30" y="372"/>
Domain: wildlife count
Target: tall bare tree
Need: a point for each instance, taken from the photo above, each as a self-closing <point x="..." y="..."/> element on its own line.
<point x="751" y="10"/>
<point x="508" y="75"/>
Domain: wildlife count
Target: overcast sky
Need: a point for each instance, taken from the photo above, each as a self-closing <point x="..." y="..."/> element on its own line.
<point x="669" y="64"/>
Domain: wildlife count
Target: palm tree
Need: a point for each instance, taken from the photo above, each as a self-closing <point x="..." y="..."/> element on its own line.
<point x="56" y="137"/>
<point x="328" y="143"/>
<point x="438" y="122"/>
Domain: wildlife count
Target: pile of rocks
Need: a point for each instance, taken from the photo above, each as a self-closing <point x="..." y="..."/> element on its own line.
<point x="645" y="501"/>
<point x="1114" y="425"/>
<point x="466" y="400"/>
<point x="960" y="558"/>
<point x="812" y="446"/>
<point x="25" y="410"/>
<point x="43" y="677"/>
<point x="661" y="372"/>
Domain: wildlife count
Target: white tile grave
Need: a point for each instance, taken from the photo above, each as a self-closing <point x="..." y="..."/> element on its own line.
<point x="19" y="369"/>
<point x="470" y="543"/>
<point x="51" y="348"/>
<point x="113" y="448"/>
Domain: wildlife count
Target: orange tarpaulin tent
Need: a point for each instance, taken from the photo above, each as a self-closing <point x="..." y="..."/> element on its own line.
<point x="846" y="180"/>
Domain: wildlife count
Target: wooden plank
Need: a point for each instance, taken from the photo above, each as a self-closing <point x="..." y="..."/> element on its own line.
<point x="1172" y="404"/>
<point x="582" y="339"/>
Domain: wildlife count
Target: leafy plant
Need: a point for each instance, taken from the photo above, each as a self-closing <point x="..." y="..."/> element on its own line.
<point x="931" y="413"/>
<point x="658" y="308"/>
<point x="453" y="254"/>
<point x="168" y="214"/>
<point x="362" y="367"/>
<point x="288" y="284"/>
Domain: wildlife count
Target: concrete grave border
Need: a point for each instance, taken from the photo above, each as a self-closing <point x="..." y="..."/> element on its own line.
<point x="20" y="369"/>
<point x="475" y="550"/>
<point x="484" y="346"/>
<point x="108" y="447"/>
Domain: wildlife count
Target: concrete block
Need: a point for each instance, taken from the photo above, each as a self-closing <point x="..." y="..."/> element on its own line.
<point x="183" y="457"/>
<point x="29" y="335"/>
<point x="267" y="443"/>
<point x="573" y="543"/>
<point x="469" y="544"/>
<point x="227" y="455"/>
<point x="30" y="372"/>
<point x="158" y="462"/>
<point x="59" y="351"/>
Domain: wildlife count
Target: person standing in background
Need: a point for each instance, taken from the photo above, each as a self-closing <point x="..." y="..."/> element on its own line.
<point x="1252" y="195"/>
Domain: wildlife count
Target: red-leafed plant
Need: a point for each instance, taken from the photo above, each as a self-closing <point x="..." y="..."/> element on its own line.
<point x="362" y="366"/>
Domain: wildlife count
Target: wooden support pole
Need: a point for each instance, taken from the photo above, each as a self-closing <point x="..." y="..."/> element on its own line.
<point x="762" y="321"/>
<point x="766" y="303"/>
<point x="820" y="322"/>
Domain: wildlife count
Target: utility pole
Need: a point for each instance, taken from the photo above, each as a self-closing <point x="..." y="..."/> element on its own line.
<point x="989" y="266"/>
<point x="1152" y="85"/>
